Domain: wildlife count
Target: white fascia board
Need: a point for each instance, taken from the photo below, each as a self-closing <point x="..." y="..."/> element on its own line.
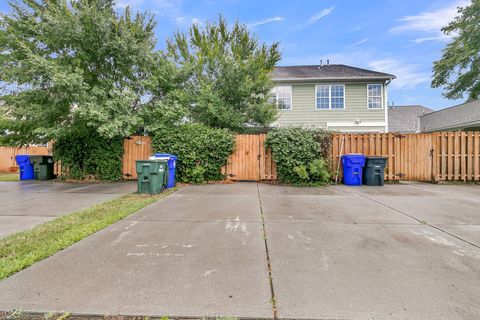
<point x="354" y="124"/>
<point x="333" y="79"/>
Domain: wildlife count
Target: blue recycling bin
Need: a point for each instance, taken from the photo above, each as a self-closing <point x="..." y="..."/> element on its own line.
<point x="26" y="167"/>
<point x="172" y="164"/>
<point x="352" y="165"/>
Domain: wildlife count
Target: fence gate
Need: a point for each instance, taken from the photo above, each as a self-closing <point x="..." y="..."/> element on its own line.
<point x="250" y="161"/>
<point x="135" y="148"/>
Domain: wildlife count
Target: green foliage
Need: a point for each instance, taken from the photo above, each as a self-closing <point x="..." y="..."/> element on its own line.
<point x="458" y="71"/>
<point x="226" y="73"/>
<point x="79" y="63"/>
<point x="85" y="156"/>
<point x="299" y="154"/>
<point x="201" y="150"/>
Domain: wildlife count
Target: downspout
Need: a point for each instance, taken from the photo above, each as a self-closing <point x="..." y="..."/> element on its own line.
<point x="386" y="104"/>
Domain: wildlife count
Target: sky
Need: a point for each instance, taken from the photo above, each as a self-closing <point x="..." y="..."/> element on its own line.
<point x="402" y="37"/>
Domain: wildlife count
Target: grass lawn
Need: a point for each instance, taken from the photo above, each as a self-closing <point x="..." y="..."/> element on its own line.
<point x="9" y="177"/>
<point x="23" y="249"/>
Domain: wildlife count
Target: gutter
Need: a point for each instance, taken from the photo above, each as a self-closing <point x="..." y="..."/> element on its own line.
<point x="389" y="79"/>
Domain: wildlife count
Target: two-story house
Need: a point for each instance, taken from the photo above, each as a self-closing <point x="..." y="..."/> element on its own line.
<point x="332" y="96"/>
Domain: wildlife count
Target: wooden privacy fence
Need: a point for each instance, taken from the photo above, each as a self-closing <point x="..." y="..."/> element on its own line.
<point x="250" y="161"/>
<point x="7" y="156"/>
<point x="438" y="156"/>
<point x="135" y="148"/>
<point x="456" y="156"/>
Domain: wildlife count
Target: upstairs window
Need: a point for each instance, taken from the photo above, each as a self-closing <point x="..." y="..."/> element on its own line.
<point x="375" y="96"/>
<point x="330" y="96"/>
<point x="282" y="97"/>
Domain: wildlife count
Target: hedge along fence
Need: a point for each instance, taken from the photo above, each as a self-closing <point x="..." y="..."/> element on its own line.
<point x="301" y="154"/>
<point x="87" y="156"/>
<point x="202" y="151"/>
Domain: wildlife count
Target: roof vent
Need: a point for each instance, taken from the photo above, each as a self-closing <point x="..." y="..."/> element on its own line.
<point x="328" y="62"/>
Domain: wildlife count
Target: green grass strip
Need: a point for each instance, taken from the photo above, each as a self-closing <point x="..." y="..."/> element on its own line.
<point x="9" y="177"/>
<point x="23" y="249"/>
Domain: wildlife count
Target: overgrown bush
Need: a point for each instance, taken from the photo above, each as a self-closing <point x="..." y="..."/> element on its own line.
<point x="201" y="150"/>
<point x="86" y="156"/>
<point x="300" y="155"/>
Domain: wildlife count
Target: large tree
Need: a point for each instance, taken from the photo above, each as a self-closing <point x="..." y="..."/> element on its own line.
<point x="458" y="70"/>
<point x="78" y="67"/>
<point x="226" y="72"/>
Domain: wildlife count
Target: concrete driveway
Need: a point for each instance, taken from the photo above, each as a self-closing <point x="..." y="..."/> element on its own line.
<point x="26" y="204"/>
<point x="397" y="252"/>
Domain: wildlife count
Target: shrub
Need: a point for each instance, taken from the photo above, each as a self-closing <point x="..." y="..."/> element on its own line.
<point x="86" y="155"/>
<point x="300" y="155"/>
<point x="201" y="150"/>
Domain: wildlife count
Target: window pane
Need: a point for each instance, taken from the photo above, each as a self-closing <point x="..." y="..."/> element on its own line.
<point x="322" y="97"/>
<point x="374" y="90"/>
<point x="322" y="91"/>
<point x="322" y="103"/>
<point x="284" y="97"/>
<point x="337" y="103"/>
<point x="375" y="102"/>
<point x="337" y="91"/>
<point x="284" y="103"/>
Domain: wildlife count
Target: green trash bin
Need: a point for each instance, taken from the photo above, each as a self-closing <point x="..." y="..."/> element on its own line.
<point x="43" y="167"/>
<point x="152" y="176"/>
<point x="374" y="171"/>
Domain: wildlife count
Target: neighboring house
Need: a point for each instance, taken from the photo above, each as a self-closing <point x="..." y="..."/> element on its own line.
<point x="332" y="96"/>
<point x="465" y="116"/>
<point x="406" y="119"/>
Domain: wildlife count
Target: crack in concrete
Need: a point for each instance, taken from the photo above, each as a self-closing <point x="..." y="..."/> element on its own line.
<point x="269" y="265"/>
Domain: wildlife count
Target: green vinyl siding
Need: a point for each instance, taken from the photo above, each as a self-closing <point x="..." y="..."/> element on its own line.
<point x="304" y="112"/>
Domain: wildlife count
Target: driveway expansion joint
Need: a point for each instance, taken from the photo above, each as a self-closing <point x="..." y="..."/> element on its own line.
<point x="269" y="265"/>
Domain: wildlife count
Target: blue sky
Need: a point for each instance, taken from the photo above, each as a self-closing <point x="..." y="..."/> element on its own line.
<point x="399" y="37"/>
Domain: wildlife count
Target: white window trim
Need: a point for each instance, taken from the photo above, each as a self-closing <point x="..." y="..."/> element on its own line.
<point x="381" y="96"/>
<point x="330" y="96"/>
<point x="276" y="97"/>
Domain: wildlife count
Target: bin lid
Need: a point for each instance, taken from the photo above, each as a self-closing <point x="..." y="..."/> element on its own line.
<point x="154" y="157"/>
<point x="22" y="157"/>
<point x="353" y="155"/>
<point x="376" y="157"/>
<point x="164" y="155"/>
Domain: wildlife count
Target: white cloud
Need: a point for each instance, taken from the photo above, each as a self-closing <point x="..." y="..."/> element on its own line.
<point x="409" y="76"/>
<point x="319" y="15"/>
<point x="429" y="22"/>
<point x="359" y="42"/>
<point x="264" y="21"/>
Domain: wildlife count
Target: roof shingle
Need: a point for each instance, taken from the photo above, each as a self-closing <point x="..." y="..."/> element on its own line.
<point x="405" y="119"/>
<point x="330" y="71"/>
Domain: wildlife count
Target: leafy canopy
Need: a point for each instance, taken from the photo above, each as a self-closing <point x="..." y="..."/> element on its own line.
<point x="226" y="74"/>
<point x="458" y="70"/>
<point x="78" y="66"/>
